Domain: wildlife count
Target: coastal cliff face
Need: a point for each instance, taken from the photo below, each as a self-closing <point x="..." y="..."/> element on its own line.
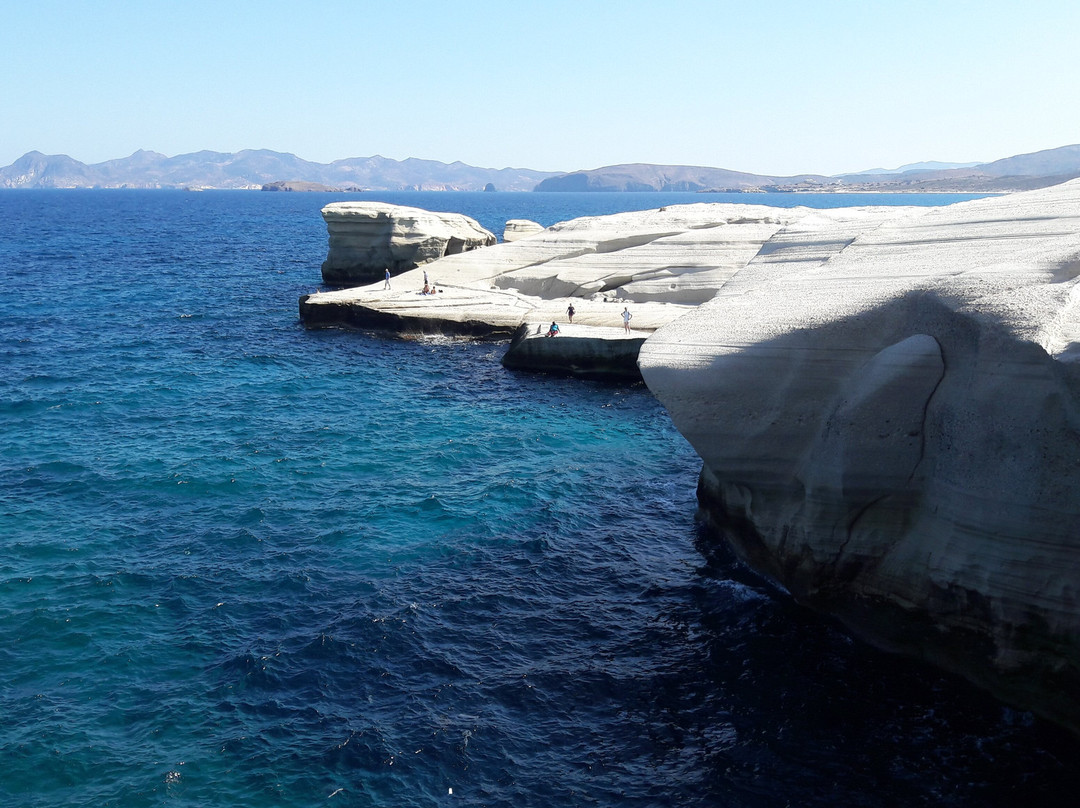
<point x="367" y="238"/>
<point x="888" y="409"/>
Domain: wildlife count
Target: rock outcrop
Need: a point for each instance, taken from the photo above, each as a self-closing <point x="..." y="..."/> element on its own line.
<point x="587" y="351"/>
<point x="887" y="404"/>
<point x="367" y="238"/>
<point x="520" y="228"/>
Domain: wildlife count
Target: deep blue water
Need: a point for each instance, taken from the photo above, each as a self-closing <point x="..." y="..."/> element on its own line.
<point x="242" y="563"/>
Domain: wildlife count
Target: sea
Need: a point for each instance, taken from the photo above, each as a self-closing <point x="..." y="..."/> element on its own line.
<point x="243" y="563"/>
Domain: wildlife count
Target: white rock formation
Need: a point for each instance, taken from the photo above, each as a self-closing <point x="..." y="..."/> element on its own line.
<point x="367" y="238"/>
<point x="885" y="399"/>
<point x="678" y="254"/>
<point x="659" y="262"/>
<point x="887" y="404"/>
<point x="670" y="258"/>
<point x="520" y="228"/>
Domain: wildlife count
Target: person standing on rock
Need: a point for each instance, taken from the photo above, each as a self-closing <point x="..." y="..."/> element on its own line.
<point x="626" y="315"/>
<point x="386" y="283"/>
<point x="570" y="312"/>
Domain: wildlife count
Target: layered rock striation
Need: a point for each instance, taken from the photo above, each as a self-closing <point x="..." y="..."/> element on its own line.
<point x="368" y="238"/>
<point x="677" y="254"/>
<point x="887" y="405"/>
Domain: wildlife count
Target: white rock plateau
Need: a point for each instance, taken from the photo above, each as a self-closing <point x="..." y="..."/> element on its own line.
<point x="886" y="404"/>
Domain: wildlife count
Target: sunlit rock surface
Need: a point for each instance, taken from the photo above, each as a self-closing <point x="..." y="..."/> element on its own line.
<point x="678" y="254"/>
<point x="368" y="238"/>
<point x="886" y="403"/>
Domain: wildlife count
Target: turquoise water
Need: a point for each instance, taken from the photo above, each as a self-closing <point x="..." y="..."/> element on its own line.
<point x="243" y="563"/>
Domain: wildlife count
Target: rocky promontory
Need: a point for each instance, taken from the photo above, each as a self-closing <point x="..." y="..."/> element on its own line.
<point x="886" y="400"/>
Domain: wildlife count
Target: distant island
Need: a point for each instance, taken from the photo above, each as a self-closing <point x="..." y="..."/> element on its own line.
<point x="262" y="169"/>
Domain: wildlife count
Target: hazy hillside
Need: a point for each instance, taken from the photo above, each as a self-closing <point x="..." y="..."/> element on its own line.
<point x="255" y="168"/>
<point x="926" y="165"/>
<point x="1018" y="173"/>
<point x="1050" y="162"/>
<point x="645" y="177"/>
<point x="1022" y="172"/>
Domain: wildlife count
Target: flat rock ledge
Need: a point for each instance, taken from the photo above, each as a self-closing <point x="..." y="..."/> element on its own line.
<point x="658" y="263"/>
<point x="592" y="346"/>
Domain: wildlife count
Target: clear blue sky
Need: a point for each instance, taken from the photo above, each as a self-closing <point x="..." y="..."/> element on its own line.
<point x="772" y="87"/>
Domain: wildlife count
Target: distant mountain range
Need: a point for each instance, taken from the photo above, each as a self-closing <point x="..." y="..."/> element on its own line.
<point x="255" y="169"/>
<point x="252" y="169"/>
<point x="929" y="165"/>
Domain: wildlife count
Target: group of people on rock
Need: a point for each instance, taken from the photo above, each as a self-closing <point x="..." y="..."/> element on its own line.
<point x="429" y="288"/>
<point x="553" y="330"/>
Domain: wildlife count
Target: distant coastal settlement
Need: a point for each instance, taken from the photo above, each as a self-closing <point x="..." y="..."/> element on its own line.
<point x="261" y="169"/>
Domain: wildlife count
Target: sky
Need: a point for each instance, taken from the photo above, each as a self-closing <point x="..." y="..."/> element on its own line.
<point x="776" y="88"/>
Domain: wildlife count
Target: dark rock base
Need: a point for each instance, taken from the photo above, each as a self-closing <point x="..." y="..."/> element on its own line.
<point x="1045" y="684"/>
<point x="587" y="357"/>
<point x="354" y="315"/>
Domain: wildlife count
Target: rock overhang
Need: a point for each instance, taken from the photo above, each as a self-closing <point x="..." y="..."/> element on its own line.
<point x="944" y="504"/>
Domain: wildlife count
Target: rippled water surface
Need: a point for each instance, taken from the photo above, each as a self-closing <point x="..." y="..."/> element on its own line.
<point x="242" y="563"/>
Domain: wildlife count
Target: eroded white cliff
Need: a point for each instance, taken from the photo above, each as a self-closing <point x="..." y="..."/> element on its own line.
<point x="368" y="238"/>
<point x="886" y="403"/>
